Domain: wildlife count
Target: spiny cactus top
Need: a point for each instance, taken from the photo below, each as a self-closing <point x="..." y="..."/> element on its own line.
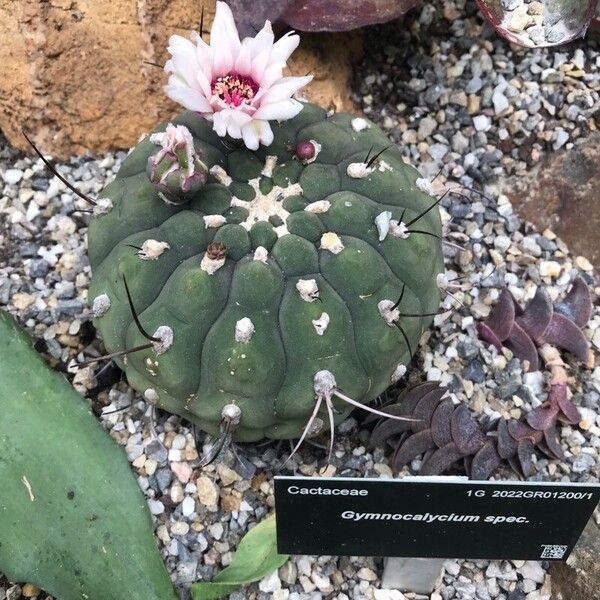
<point x="289" y="261"/>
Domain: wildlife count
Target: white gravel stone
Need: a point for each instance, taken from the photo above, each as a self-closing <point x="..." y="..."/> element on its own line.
<point x="359" y="124"/>
<point x="532" y="570"/>
<point x="156" y="507"/>
<point x="188" y="506"/>
<point x="12" y="176"/>
<point x="270" y="584"/>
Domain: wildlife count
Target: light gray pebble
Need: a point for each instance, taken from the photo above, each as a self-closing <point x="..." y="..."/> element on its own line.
<point x="64" y="289"/>
<point x="560" y="138"/>
<point x="163" y="478"/>
<point x="583" y="462"/>
<point x="157" y="451"/>
<point x="201" y="542"/>
<point x="460" y="143"/>
<point x="492" y="586"/>
<point x="38" y="268"/>
<point x="70" y="308"/>
<point x="186" y="571"/>
<point x="537" y="34"/>
<point x="532" y="570"/>
<point x="13" y="592"/>
<point x="452" y="567"/>
<point x="572" y="112"/>
<point x="502" y="243"/>
<point x="448" y="592"/>
<point x="474" y="85"/>
<point x="438" y="151"/>
<point x="426" y="127"/>
<point x="500" y="101"/>
<point x="156" y="507"/>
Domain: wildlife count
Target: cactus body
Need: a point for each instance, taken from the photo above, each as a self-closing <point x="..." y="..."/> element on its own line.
<point x="276" y="269"/>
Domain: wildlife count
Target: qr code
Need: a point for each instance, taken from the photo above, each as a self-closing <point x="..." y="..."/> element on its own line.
<point x="551" y="551"/>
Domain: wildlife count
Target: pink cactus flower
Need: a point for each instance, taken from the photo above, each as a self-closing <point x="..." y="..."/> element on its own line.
<point x="238" y="85"/>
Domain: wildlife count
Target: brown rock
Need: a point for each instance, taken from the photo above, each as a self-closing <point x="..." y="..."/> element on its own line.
<point x="227" y="475"/>
<point x="562" y="194"/>
<point x="72" y="73"/>
<point x="230" y="503"/>
<point x="208" y="492"/>
<point x="30" y="590"/>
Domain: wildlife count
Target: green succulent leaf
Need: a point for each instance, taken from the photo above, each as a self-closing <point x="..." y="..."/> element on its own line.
<point x="73" y="520"/>
<point x="255" y="558"/>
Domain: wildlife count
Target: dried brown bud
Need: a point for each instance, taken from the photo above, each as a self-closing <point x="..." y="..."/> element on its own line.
<point x="216" y="251"/>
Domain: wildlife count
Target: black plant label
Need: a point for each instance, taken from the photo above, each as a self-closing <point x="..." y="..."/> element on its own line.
<point x="431" y="517"/>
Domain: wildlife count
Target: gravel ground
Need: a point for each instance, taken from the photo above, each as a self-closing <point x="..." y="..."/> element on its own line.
<point x="452" y="95"/>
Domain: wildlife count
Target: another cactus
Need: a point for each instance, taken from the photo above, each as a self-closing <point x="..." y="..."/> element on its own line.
<point x="317" y="253"/>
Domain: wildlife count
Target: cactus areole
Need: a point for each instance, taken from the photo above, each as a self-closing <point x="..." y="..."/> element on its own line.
<point x="263" y="268"/>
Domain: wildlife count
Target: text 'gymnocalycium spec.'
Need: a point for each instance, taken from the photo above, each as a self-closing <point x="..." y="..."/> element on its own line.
<point x="259" y="260"/>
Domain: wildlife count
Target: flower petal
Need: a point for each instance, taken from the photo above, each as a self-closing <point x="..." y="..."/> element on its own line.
<point x="266" y="133"/>
<point x="262" y="41"/>
<point x="186" y="96"/>
<point x="224" y="40"/>
<point x="224" y="25"/>
<point x="284" y="46"/>
<point x="285" y="88"/>
<point x="184" y="59"/>
<point x="194" y="65"/>
<point x="203" y="83"/>
<point x="243" y="62"/>
<point x="259" y="64"/>
<point x="220" y="124"/>
<point x="230" y="122"/>
<point x="250" y="137"/>
<point x="204" y="54"/>
<point x="272" y="74"/>
<point x="177" y="42"/>
<point x="223" y="59"/>
<point x="286" y="109"/>
<point x="256" y="132"/>
<point x="185" y="66"/>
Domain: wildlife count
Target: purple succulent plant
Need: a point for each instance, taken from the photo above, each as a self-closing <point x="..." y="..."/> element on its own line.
<point x="525" y="330"/>
<point x="446" y="433"/>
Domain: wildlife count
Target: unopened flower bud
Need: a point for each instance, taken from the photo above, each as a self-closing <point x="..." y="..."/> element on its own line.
<point x="176" y="170"/>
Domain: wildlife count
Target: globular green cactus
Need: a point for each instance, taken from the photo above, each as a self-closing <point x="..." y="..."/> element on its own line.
<point x="288" y="262"/>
